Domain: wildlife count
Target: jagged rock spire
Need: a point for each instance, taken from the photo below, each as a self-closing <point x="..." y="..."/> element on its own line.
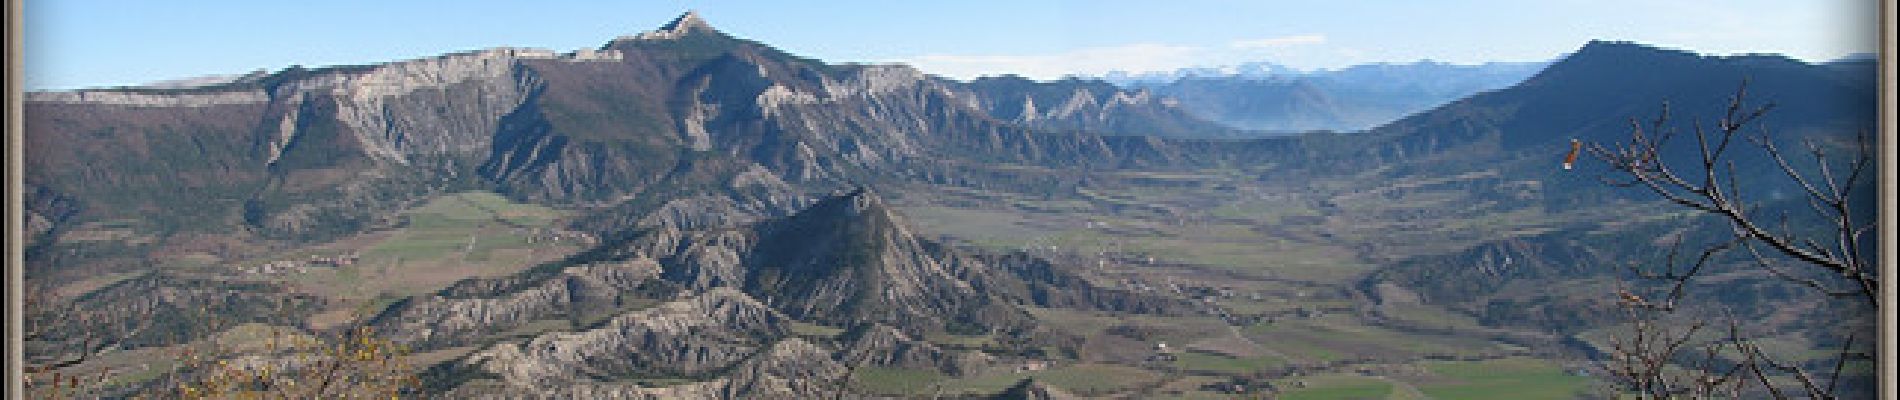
<point x="689" y="20"/>
<point x="685" y="24"/>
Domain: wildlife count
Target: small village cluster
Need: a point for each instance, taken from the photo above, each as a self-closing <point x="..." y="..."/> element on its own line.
<point x="560" y="236"/>
<point x="295" y="266"/>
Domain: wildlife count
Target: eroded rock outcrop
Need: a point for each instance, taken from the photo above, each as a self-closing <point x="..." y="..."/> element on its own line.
<point x="789" y="369"/>
<point x="846" y="260"/>
<point x="477" y="307"/>
<point x="690" y="337"/>
<point x="883" y="346"/>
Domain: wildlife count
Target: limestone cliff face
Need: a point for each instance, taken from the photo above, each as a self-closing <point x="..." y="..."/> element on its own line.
<point x="393" y="111"/>
<point x="137" y="99"/>
<point x="439" y="105"/>
<point x="808" y="123"/>
<point x="1087" y="105"/>
<point x="887" y="115"/>
<point x="366" y="139"/>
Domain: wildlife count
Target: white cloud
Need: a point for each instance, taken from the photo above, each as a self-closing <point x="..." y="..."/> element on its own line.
<point x="1282" y="41"/>
<point x="1089" y="61"/>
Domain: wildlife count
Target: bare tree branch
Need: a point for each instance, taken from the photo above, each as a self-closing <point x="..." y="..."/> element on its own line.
<point x="1831" y="262"/>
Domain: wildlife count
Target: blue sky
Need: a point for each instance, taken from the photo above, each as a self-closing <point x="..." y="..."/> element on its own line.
<point x="90" y="43"/>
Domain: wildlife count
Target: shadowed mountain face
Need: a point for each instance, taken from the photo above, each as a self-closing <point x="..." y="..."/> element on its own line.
<point x="1568" y="99"/>
<point x="848" y="259"/>
<point x="1593" y="95"/>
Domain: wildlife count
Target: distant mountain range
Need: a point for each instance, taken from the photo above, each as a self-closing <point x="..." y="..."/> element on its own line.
<point x="1251" y="70"/>
<point x="1269" y="97"/>
<point x="728" y="181"/>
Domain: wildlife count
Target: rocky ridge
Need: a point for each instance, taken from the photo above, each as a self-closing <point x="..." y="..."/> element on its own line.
<point x="589" y="127"/>
<point x="690" y="337"/>
<point x="724" y="304"/>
